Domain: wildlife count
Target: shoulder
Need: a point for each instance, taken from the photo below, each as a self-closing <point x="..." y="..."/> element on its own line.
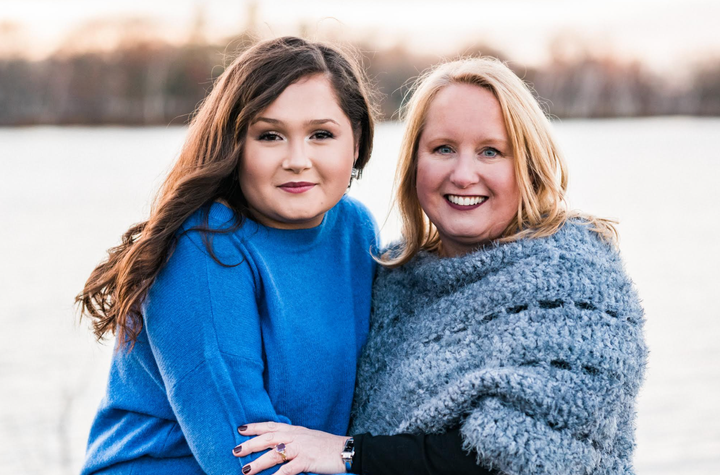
<point x="580" y="231"/>
<point x="579" y="258"/>
<point x="217" y="228"/>
<point x="349" y="208"/>
<point x="573" y="249"/>
<point x="214" y="217"/>
<point x="390" y="280"/>
<point x="577" y="238"/>
<point x="355" y="218"/>
<point x="201" y="262"/>
<point x="207" y="253"/>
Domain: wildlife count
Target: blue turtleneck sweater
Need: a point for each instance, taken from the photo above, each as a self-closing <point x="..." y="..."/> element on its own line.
<point x="273" y="337"/>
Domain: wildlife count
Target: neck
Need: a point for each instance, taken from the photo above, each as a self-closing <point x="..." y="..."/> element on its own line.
<point x="446" y="250"/>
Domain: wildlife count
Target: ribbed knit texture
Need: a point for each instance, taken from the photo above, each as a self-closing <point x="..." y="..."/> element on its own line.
<point x="274" y="337"/>
<point x="536" y="347"/>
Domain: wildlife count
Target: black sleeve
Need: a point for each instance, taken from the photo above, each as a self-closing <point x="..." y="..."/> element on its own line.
<point x="415" y="454"/>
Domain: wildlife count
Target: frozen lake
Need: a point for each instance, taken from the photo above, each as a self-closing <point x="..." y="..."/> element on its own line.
<point x="67" y="194"/>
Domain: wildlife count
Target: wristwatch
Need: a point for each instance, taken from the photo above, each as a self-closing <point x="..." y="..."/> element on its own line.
<point x="348" y="453"/>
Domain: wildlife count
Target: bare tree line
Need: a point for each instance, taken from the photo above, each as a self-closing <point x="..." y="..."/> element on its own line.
<point x="147" y="82"/>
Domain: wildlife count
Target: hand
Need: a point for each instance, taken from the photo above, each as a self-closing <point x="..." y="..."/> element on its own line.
<point x="306" y="450"/>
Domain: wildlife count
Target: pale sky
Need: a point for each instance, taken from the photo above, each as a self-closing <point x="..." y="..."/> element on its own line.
<point x="665" y="34"/>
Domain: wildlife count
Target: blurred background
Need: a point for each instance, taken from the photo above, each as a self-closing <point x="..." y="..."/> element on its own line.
<point x="94" y="102"/>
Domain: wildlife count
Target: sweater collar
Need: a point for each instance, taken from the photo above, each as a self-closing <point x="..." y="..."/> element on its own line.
<point x="297" y="239"/>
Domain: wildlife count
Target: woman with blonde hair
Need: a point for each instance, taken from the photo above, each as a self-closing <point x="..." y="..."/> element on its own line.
<point x="504" y="330"/>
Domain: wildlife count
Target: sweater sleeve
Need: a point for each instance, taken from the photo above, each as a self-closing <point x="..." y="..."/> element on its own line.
<point x="430" y="454"/>
<point x="203" y="327"/>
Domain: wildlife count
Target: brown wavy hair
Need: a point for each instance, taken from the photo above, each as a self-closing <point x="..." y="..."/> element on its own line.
<point x="207" y="170"/>
<point x="540" y="168"/>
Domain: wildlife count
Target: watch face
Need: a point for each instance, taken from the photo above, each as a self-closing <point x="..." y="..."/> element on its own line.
<point x="348" y="450"/>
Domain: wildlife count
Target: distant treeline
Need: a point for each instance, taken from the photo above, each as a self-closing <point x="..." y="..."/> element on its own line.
<point x="154" y="83"/>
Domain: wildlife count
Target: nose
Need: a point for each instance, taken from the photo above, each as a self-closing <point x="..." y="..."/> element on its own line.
<point x="298" y="157"/>
<point x="465" y="172"/>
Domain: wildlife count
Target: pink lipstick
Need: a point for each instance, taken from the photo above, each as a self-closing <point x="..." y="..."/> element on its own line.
<point x="297" y="186"/>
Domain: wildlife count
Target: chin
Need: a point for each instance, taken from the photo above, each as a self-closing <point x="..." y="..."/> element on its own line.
<point x="304" y="216"/>
<point x="467" y="238"/>
<point x="300" y="219"/>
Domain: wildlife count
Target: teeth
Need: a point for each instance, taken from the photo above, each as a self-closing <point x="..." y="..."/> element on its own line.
<point x="466" y="200"/>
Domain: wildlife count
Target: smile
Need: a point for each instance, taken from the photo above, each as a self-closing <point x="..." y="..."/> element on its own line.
<point x="297" y="186"/>
<point x="466" y="200"/>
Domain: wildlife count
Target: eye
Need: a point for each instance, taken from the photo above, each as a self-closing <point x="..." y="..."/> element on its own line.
<point x="490" y="152"/>
<point x="322" y="135"/>
<point x="443" y="149"/>
<point x="269" y="136"/>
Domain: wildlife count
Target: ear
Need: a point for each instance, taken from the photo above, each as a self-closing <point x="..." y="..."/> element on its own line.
<point x="357" y="152"/>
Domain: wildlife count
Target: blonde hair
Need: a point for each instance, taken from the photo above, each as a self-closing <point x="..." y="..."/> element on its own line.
<point x="540" y="168"/>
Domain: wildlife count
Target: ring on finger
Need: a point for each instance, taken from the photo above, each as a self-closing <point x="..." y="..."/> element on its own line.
<point x="280" y="448"/>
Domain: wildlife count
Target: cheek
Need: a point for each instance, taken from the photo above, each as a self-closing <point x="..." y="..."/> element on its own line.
<point x="428" y="179"/>
<point x="506" y="187"/>
<point x="342" y="168"/>
<point x="336" y="166"/>
<point x="254" y="172"/>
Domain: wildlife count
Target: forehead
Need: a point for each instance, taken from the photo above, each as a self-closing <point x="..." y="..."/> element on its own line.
<point x="463" y="107"/>
<point x="311" y="97"/>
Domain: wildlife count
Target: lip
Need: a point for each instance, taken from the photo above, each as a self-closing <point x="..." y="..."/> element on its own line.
<point x="297" y="187"/>
<point x="461" y="207"/>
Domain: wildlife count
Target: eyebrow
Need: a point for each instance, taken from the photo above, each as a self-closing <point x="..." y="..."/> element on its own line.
<point x="496" y="141"/>
<point x="309" y="122"/>
<point x="488" y="141"/>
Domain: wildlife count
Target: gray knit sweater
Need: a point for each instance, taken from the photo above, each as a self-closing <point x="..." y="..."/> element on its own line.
<point x="535" y="347"/>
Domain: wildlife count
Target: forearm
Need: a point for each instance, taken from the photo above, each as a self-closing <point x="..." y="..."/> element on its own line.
<point x="209" y="409"/>
<point x="203" y="328"/>
<point x="432" y="454"/>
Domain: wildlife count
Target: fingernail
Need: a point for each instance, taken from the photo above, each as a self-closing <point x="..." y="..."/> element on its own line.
<point x="237" y="449"/>
<point x="242" y="428"/>
<point x="246" y="468"/>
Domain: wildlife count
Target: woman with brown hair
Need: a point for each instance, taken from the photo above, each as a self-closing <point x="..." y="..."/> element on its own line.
<point x="248" y="288"/>
<point x="505" y="335"/>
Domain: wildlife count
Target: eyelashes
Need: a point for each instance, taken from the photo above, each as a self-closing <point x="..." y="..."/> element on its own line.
<point x="322" y="135"/>
<point x="487" y="152"/>
<point x="269" y="137"/>
<point x="274" y="136"/>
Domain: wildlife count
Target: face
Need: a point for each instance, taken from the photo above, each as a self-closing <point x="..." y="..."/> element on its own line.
<point x="298" y="156"/>
<point x="465" y="169"/>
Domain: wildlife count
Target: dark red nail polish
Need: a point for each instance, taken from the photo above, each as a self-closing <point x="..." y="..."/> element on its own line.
<point x="242" y="428"/>
<point x="237" y="450"/>
<point x="246" y="468"/>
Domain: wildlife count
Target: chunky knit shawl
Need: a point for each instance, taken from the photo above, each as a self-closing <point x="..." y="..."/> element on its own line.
<point x="534" y="347"/>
